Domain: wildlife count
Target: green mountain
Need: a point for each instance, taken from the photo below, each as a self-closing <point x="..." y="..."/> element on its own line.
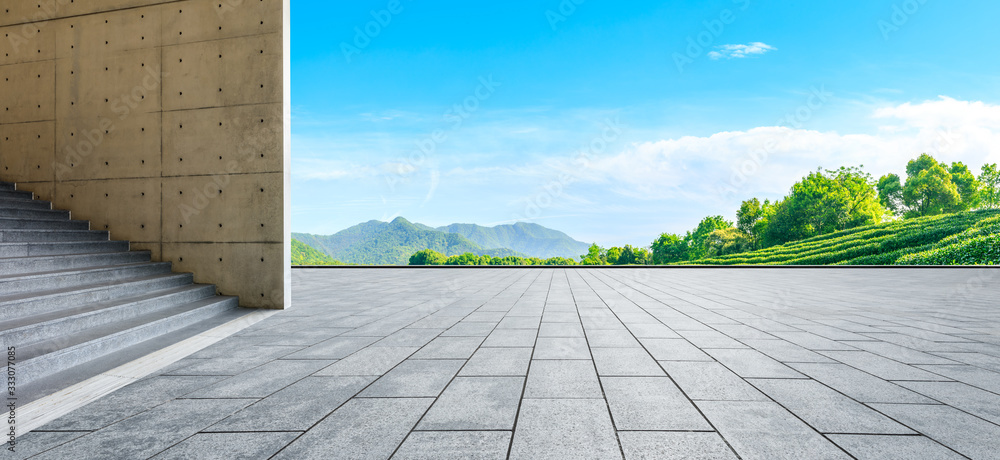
<point x="531" y="239"/>
<point x="303" y="254"/>
<point x="392" y="243"/>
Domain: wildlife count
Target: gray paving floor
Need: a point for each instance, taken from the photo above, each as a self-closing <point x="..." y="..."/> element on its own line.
<point x="574" y="363"/>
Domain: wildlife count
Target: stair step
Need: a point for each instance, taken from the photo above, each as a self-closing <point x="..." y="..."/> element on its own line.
<point x="50" y="356"/>
<point x="7" y="186"/>
<point x="66" y="322"/>
<point x="41" y="302"/>
<point x="45" y="236"/>
<point x="7" y="223"/>
<point x="26" y="265"/>
<point x="8" y="203"/>
<point x="16" y="195"/>
<point x="61" y="247"/>
<point x="63" y="279"/>
<point x="50" y="214"/>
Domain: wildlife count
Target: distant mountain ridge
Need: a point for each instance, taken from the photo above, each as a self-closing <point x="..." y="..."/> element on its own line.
<point x="531" y="239"/>
<point x="392" y="243"/>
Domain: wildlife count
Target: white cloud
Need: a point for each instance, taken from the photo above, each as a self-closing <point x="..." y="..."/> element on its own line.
<point x="765" y="161"/>
<point x="740" y="51"/>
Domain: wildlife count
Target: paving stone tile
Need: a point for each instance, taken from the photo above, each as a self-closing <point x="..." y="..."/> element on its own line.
<point x="511" y="338"/>
<point x="469" y="329"/>
<point x="369" y="361"/>
<point x="987" y="362"/>
<point x="449" y="348"/>
<point x="601" y="338"/>
<point x="360" y="429"/>
<point x="674" y="350"/>
<point x="564" y="428"/>
<point x="961" y="396"/>
<point x="485" y="316"/>
<point x="520" y="322"/>
<point x="625" y="362"/>
<point x="472" y="445"/>
<point x="562" y="379"/>
<point x="753" y="364"/>
<point x="128" y="401"/>
<point x="560" y="330"/>
<point x="498" y="362"/>
<point x="150" y="432"/>
<point x="651" y="404"/>
<point x="915" y="342"/>
<point x="262" y="381"/>
<point x="335" y="348"/>
<point x="812" y="341"/>
<point x="653" y="331"/>
<point x="554" y="316"/>
<point x="878" y="366"/>
<point x="34" y="442"/>
<point x="786" y="352"/>
<point x="975" y="376"/>
<point x="968" y="435"/>
<point x="901" y="354"/>
<point x="742" y="331"/>
<point x="665" y="445"/>
<point x="297" y="407"/>
<point x="415" y="378"/>
<point x="711" y="339"/>
<point x="711" y="381"/>
<point x="826" y="410"/>
<point x="475" y="403"/>
<point x="409" y="337"/>
<point x="876" y="447"/>
<point x="561" y="348"/>
<point x="223" y="446"/>
<point x="763" y="430"/>
<point x="859" y="385"/>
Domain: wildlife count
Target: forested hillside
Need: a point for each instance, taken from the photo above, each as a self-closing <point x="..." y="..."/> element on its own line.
<point x="527" y="238"/>
<point x="392" y="243"/>
<point x="303" y="254"/>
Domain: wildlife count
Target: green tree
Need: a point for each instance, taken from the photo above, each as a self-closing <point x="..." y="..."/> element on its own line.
<point x="428" y="257"/>
<point x="696" y="239"/>
<point x="465" y="259"/>
<point x="929" y="188"/>
<point x="969" y="188"/>
<point x="747" y="217"/>
<point x="594" y="256"/>
<point x="669" y="248"/>
<point x="613" y="255"/>
<point x="825" y="202"/>
<point x="990" y="180"/>
<point x="890" y="194"/>
<point x="727" y="241"/>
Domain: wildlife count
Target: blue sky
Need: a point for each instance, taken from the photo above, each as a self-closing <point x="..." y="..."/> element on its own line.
<point x="609" y="120"/>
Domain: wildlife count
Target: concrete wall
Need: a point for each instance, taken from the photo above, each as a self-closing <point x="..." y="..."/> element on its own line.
<point x="164" y="122"/>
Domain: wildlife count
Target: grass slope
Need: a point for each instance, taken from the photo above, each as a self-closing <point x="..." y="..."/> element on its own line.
<point x="965" y="238"/>
<point x="392" y="243"/>
<point x="303" y="254"/>
<point x="531" y="239"/>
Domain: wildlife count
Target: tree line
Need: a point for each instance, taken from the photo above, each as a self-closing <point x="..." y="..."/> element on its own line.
<point x="824" y="201"/>
<point x="827" y="201"/>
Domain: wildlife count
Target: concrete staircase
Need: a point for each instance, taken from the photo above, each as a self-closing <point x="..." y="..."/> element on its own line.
<point x="74" y="303"/>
